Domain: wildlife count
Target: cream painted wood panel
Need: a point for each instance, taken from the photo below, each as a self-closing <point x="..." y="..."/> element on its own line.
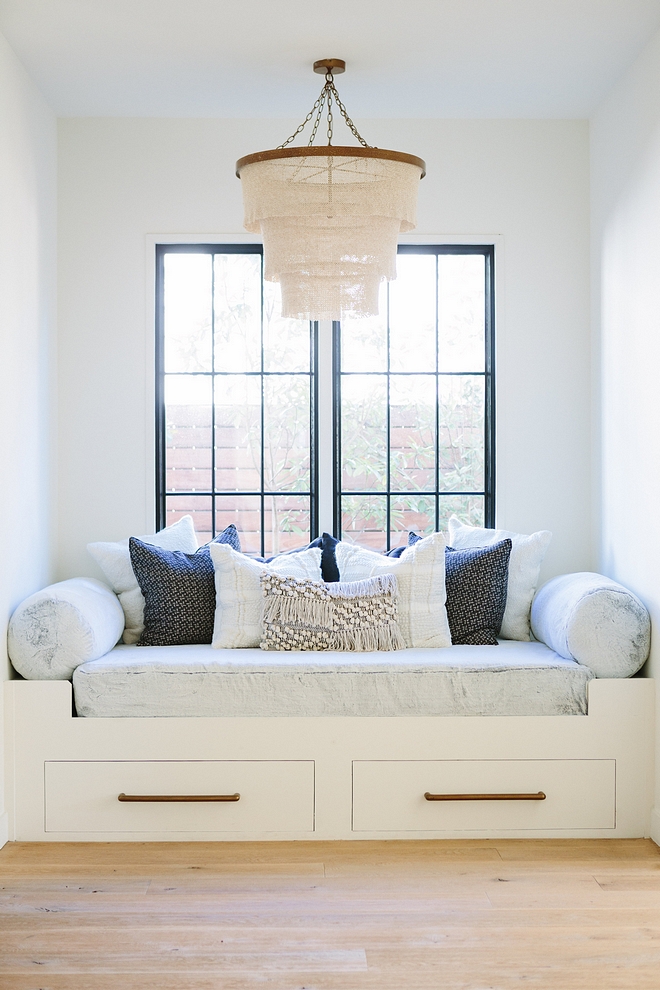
<point x="388" y="795"/>
<point x="276" y="796"/>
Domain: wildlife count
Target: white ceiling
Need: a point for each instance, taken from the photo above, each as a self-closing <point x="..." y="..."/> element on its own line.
<point x="252" y="58"/>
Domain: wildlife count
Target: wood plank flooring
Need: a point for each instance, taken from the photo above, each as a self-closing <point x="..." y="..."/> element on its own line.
<point x="474" y="915"/>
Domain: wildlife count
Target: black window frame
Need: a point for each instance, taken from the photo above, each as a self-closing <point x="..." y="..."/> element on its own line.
<point x="160" y="411"/>
<point x="488" y="492"/>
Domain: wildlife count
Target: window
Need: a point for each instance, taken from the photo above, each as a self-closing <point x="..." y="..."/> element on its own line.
<point x="408" y="433"/>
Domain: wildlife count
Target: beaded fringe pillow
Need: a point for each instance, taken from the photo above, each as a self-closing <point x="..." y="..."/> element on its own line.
<point x="312" y="615"/>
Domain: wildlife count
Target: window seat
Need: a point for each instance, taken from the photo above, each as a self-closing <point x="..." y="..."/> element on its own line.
<point x="513" y="678"/>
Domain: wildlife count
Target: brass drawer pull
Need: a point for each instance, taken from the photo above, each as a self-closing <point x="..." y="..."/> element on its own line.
<point x="539" y="796"/>
<point x="178" y="797"/>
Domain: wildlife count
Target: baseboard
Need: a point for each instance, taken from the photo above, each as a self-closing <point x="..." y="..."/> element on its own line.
<point x="4" y="828"/>
<point x="655" y="826"/>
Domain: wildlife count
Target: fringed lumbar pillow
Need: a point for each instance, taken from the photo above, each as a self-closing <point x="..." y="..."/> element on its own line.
<point x="311" y="615"/>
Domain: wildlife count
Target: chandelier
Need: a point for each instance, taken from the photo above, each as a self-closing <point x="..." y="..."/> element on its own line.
<point x="329" y="215"/>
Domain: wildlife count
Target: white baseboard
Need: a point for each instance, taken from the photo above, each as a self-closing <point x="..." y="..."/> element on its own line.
<point x="4" y="828"/>
<point x="655" y="825"/>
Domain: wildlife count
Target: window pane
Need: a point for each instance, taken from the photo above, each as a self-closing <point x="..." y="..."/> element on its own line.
<point x="187" y="312"/>
<point x="244" y="511"/>
<point x="364" y="432"/>
<point x="411" y="513"/>
<point x="461" y="312"/>
<point x="468" y="508"/>
<point x="287" y="521"/>
<point x="237" y="433"/>
<point x="364" y="342"/>
<point x="286" y="433"/>
<point x="197" y="506"/>
<point x="286" y="342"/>
<point x="237" y="279"/>
<point x="461" y="433"/>
<point x="364" y="520"/>
<point x="412" y="432"/>
<point x="412" y="314"/>
<point x="188" y="432"/>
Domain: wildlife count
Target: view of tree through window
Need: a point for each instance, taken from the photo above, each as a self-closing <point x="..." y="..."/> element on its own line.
<point x="414" y="421"/>
<point x="236" y="434"/>
<point x="238" y="417"/>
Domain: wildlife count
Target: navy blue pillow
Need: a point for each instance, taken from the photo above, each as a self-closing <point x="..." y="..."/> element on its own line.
<point x="397" y="551"/>
<point x="476" y="581"/>
<point x="179" y="591"/>
<point x="327" y="544"/>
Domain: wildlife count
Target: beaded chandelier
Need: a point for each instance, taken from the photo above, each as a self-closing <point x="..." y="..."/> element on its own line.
<point x="329" y="215"/>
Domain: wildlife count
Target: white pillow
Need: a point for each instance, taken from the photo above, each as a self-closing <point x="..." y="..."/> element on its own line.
<point x="527" y="553"/>
<point x="55" y="630"/>
<point x="114" y="559"/>
<point x="354" y="563"/>
<point x="238" y="596"/>
<point x="420" y="574"/>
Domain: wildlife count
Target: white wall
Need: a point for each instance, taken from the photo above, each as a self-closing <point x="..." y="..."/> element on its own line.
<point x="120" y="179"/>
<point x="27" y="281"/>
<point x="626" y="264"/>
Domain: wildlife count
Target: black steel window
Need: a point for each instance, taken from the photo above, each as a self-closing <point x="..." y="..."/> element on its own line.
<point x="238" y="414"/>
<point x="414" y="400"/>
<point x="235" y="415"/>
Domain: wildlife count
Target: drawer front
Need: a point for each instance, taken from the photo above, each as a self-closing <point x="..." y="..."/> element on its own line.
<point x="389" y="795"/>
<point x="275" y="796"/>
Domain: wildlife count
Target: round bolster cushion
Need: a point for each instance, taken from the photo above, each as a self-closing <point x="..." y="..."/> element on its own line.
<point x="55" y="630"/>
<point x="595" y="621"/>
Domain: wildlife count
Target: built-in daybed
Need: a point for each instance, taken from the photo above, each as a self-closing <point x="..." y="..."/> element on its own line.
<point x="545" y="738"/>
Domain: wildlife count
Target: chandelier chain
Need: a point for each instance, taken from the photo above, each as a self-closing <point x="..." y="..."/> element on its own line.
<point x="326" y="96"/>
<point x="321" y="103"/>
<point x="329" y="88"/>
<point x="317" y="106"/>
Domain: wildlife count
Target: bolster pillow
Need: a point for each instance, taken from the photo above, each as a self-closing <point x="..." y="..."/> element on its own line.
<point x="55" y="630"/>
<point x="595" y="621"/>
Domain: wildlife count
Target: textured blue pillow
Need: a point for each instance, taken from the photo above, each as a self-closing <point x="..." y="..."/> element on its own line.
<point x="476" y="581"/>
<point x="179" y="591"/>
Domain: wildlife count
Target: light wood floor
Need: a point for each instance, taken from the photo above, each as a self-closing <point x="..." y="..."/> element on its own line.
<point x="331" y="916"/>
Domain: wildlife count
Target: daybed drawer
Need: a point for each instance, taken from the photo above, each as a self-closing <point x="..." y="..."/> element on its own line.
<point x="390" y="795"/>
<point x="275" y="796"/>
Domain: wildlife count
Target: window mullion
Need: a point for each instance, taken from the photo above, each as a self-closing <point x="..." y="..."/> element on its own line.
<point x="325" y="428"/>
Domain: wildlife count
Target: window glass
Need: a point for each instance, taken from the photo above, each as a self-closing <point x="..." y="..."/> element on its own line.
<point x="235" y="390"/>
<point x="409" y="401"/>
<point x="415" y="429"/>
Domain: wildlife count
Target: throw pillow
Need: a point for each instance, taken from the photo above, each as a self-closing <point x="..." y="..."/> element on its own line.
<point x="326" y="544"/>
<point x="397" y="551"/>
<point x="313" y="615"/>
<point x="355" y="563"/>
<point x="420" y="573"/>
<point x="527" y="553"/>
<point x="239" y="601"/>
<point x="476" y="582"/>
<point x="178" y="590"/>
<point x="114" y="559"/>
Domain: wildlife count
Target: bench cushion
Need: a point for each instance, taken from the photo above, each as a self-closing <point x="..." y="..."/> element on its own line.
<point x="513" y="679"/>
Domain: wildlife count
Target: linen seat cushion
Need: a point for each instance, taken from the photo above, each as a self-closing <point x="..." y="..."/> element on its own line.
<point x="178" y="590"/>
<point x="184" y="681"/>
<point x="114" y="559"/>
<point x="476" y="582"/>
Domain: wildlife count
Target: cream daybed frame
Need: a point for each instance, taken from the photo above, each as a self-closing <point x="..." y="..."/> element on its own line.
<point x="328" y="777"/>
